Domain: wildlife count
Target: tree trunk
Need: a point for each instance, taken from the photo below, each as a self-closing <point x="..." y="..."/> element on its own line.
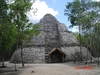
<point x="15" y="57"/>
<point x="15" y="65"/>
<point x="3" y="61"/>
<point x="80" y="43"/>
<point x="22" y="57"/>
<point x="75" y="60"/>
<point x="87" y="55"/>
<point x="15" y="61"/>
<point x="2" y="54"/>
<point x="98" y="59"/>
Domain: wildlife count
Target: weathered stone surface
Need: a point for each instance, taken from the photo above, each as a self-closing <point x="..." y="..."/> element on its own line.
<point x="62" y="27"/>
<point x="30" y="55"/>
<point x="67" y="38"/>
<point x="53" y="35"/>
<point x="40" y="40"/>
<point x="70" y="51"/>
<point x="49" y="19"/>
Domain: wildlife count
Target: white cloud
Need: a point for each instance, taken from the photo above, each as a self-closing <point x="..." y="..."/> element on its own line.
<point x="75" y="29"/>
<point x="96" y="0"/>
<point x="42" y="9"/>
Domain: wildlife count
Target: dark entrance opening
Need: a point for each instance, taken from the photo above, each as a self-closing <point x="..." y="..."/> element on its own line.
<point x="56" y="56"/>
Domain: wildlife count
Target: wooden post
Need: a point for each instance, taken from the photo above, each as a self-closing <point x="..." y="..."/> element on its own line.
<point x="49" y="58"/>
<point x="63" y="58"/>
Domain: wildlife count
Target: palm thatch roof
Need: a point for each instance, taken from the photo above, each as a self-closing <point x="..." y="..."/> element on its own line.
<point x="56" y="49"/>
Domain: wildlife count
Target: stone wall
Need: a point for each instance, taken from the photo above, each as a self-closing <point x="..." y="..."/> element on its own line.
<point x="38" y="40"/>
<point x="30" y="55"/>
<point x="62" y="27"/>
<point x="49" y="25"/>
<point x="70" y="52"/>
<point x="67" y="38"/>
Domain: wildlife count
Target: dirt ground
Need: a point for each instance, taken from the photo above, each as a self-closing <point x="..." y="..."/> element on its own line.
<point x="68" y="68"/>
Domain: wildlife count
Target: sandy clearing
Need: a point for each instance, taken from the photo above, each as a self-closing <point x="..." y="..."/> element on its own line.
<point x="48" y="69"/>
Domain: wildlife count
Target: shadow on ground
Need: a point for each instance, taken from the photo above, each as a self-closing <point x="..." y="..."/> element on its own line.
<point x="10" y="69"/>
<point x="9" y="72"/>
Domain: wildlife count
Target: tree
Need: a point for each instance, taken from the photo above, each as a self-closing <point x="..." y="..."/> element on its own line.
<point x="92" y="30"/>
<point x="25" y="29"/>
<point x="75" y="11"/>
<point x="85" y="15"/>
<point x="7" y="30"/>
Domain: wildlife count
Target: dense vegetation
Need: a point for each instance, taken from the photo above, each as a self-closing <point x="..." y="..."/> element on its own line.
<point x="15" y="27"/>
<point x="85" y="14"/>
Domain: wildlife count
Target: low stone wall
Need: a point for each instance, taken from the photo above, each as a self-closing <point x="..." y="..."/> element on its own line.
<point x="30" y="55"/>
<point x="73" y="52"/>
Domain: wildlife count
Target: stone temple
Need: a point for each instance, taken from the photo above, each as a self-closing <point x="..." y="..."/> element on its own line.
<point x="54" y="44"/>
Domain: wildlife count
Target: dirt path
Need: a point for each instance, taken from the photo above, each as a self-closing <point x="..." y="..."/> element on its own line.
<point x="47" y="69"/>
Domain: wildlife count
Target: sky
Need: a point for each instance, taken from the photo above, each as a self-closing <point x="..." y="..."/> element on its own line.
<point x="54" y="7"/>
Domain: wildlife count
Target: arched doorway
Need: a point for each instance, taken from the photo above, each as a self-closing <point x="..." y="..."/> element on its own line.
<point x="56" y="56"/>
